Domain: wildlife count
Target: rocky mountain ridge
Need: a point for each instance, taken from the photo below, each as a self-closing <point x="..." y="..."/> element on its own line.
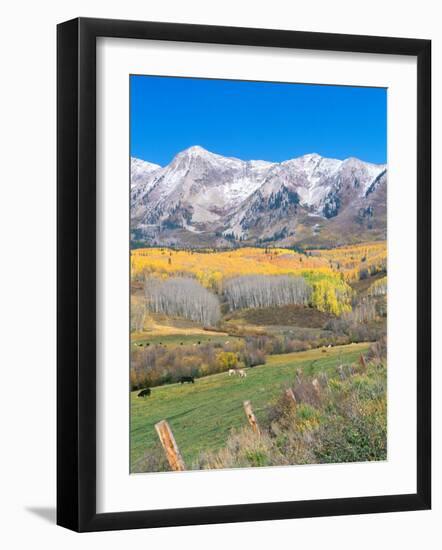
<point x="203" y="199"/>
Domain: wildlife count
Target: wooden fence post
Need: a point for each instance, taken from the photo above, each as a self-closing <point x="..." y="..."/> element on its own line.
<point x="251" y="417"/>
<point x="290" y="396"/>
<point x="170" y="447"/>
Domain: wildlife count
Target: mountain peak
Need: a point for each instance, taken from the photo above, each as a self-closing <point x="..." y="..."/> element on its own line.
<point x="196" y="150"/>
<point x="311" y="156"/>
<point x="353" y="160"/>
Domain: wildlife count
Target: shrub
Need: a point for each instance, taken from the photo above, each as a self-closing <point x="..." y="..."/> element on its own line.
<point x="227" y="360"/>
<point x="153" y="461"/>
<point x="359" y="434"/>
<point x="253" y="357"/>
<point x="244" y="449"/>
<point x="378" y="350"/>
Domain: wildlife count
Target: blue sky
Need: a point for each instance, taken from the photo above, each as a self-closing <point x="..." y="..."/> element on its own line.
<point x="255" y="120"/>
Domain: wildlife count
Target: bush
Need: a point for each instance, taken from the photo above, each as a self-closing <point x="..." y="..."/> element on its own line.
<point x="358" y="434"/>
<point x="378" y="351"/>
<point x="253" y="357"/>
<point x="244" y="449"/>
<point x="153" y="461"/>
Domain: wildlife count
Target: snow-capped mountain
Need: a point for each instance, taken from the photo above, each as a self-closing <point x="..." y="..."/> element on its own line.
<point x="140" y="170"/>
<point x="205" y="199"/>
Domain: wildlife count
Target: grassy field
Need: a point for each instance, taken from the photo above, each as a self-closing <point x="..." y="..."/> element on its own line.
<point x="201" y="415"/>
<point x="183" y="339"/>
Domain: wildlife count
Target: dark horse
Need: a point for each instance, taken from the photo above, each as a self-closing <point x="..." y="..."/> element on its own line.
<point x="188" y="379"/>
<point x="145" y="392"/>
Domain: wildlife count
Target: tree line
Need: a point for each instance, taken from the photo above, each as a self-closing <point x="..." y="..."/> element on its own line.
<point x="255" y="291"/>
<point x="182" y="297"/>
<point x="185" y="296"/>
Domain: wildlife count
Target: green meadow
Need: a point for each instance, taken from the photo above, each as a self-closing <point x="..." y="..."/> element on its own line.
<point x="202" y="415"/>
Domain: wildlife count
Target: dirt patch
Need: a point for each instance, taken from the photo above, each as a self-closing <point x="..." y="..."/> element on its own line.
<point x="289" y="315"/>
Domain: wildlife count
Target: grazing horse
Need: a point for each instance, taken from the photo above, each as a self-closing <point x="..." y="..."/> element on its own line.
<point x="145" y="392"/>
<point x="189" y="379"/>
<point x="242" y="373"/>
<point x="232" y="372"/>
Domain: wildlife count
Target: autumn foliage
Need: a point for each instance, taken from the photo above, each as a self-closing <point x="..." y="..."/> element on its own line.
<point x="221" y="271"/>
<point x="355" y="261"/>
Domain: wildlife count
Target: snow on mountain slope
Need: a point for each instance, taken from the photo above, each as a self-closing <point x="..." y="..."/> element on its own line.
<point x="201" y="192"/>
<point x="140" y="170"/>
<point x="141" y="178"/>
<point x="201" y="184"/>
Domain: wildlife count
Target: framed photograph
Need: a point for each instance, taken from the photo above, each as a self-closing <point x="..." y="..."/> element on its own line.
<point x="243" y="274"/>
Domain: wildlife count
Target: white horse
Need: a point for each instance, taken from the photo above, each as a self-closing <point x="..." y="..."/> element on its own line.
<point x="242" y="373"/>
<point x="232" y="372"/>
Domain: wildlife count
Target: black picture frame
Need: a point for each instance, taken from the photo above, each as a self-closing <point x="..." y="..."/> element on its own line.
<point x="76" y="274"/>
